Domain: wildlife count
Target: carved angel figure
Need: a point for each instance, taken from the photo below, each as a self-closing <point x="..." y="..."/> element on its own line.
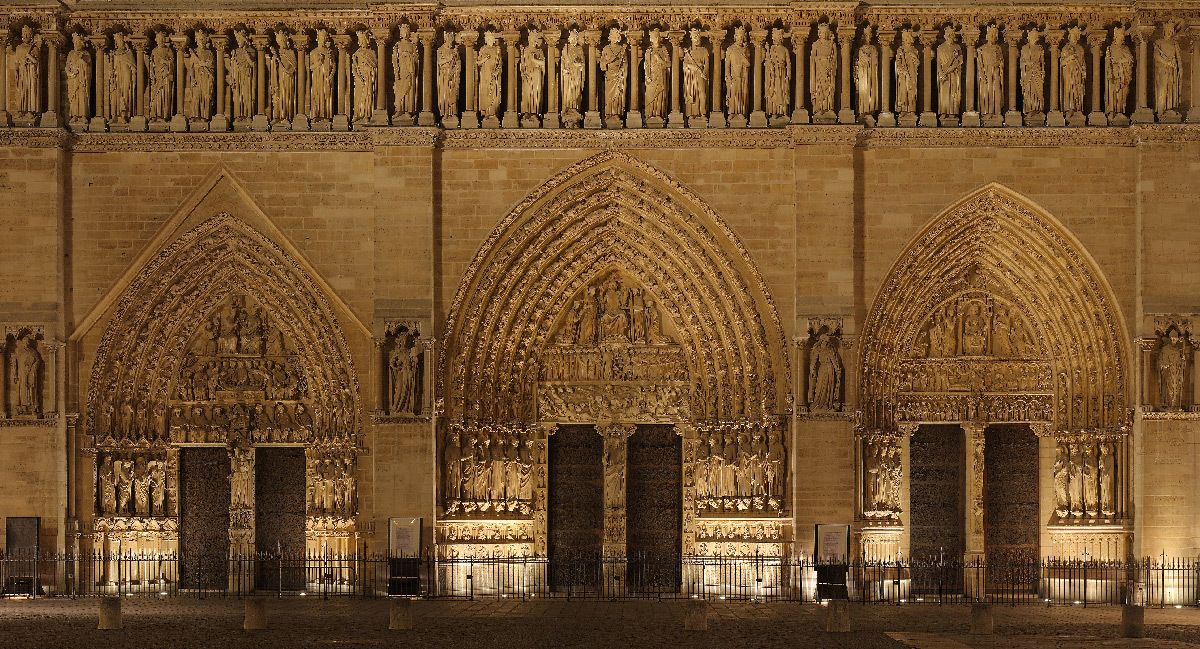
<point x="200" y="66"/>
<point x="533" y="74"/>
<point x="1073" y="72"/>
<point x="161" y="65"/>
<point x="364" y="64"/>
<point x="866" y="74"/>
<point x="1167" y="66"/>
<point x="77" y="70"/>
<point x="1033" y="73"/>
<point x="614" y="62"/>
<point x="990" y="73"/>
<point x="1118" y="73"/>
<point x="949" y="73"/>
<point x="449" y="72"/>
<point x="695" y="76"/>
<point x="658" y="76"/>
<point x="737" y="67"/>
<point x="908" y="66"/>
<point x="490" y="62"/>
<point x="823" y="66"/>
<point x="404" y="69"/>
<point x="283" y="70"/>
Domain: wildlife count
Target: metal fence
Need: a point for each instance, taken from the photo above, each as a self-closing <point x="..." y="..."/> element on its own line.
<point x="1153" y="582"/>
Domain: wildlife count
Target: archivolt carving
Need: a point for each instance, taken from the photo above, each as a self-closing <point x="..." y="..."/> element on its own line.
<point x="1024" y="326"/>
<point x="612" y="212"/>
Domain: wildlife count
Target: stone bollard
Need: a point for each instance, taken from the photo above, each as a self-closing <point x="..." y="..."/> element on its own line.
<point x="1133" y="621"/>
<point x="256" y="614"/>
<point x="837" y="616"/>
<point x="400" y="616"/>
<point x="981" y="619"/>
<point x="695" y="615"/>
<point x="110" y="613"/>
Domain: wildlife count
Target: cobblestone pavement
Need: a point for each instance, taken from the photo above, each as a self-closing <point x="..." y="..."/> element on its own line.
<point x="515" y="624"/>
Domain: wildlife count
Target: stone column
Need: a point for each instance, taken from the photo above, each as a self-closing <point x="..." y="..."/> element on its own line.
<point x="616" y="445"/>
<point x="470" y="116"/>
<point x="50" y="118"/>
<point x="716" y="116"/>
<point x="380" y="369"/>
<point x="973" y="541"/>
<point x="380" y="117"/>
<point x="1095" y="38"/>
<point x="300" y="122"/>
<point x="799" y="37"/>
<point x="846" y="40"/>
<point x="551" y="120"/>
<point x="137" y="122"/>
<point x="1193" y="113"/>
<point x="1141" y="35"/>
<point x="260" y="122"/>
<point x="970" y="115"/>
<point x="4" y="116"/>
<point x="220" y="118"/>
<point x="758" y="119"/>
<point x="928" y="115"/>
<point x="591" y="117"/>
<point x="512" y="109"/>
<point x="1055" y="117"/>
<point x="675" y="118"/>
<point x="98" y="123"/>
<point x="633" y="119"/>
<point x="1012" y="37"/>
<point x="428" y="64"/>
<point x="178" y="121"/>
<point x="341" y="113"/>
<point x="886" y="116"/>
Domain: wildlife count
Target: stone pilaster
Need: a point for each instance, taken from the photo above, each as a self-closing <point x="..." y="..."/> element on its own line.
<point x="675" y="118"/>
<point x="799" y="37"/>
<point x="633" y="119"/>
<point x="591" y="117"/>
<point x="845" y="37"/>
<point x="1193" y="113"/>
<point x="428" y="63"/>
<point x="716" y="117"/>
<point x="758" y="118"/>
<point x="1143" y="114"/>
<point x="970" y="114"/>
<point x="1095" y="39"/>
<point x="470" y="115"/>
<point x="300" y="121"/>
<point x="178" y="120"/>
<point x="886" y="117"/>
<point x="1054" y="116"/>
<point x="512" y="109"/>
<point x="54" y="42"/>
<point x="342" y="107"/>
<point x="928" y="113"/>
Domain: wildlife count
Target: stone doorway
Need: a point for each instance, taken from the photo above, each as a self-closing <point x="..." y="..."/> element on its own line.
<point x="936" y="474"/>
<point x="654" y="508"/>
<point x="1011" y="507"/>
<point x="576" y="507"/>
<point x="279" y="488"/>
<point x="204" y="517"/>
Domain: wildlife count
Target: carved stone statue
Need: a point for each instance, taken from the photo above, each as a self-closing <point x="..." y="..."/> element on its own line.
<point x="908" y="68"/>
<point x="283" y="72"/>
<point x="1172" y="364"/>
<point x="449" y="72"/>
<point x="777" y="76"/>
<point x="25" y="59"/>
<point x="27" y="378"/>
<point x="1075" y="479"/>
<point x="990" y="73"/>
<point x="240" y="77"/>
<point x="364" y="64"/>
<point x="107" y="478"/>
<point x="866" y="73"/>
<point x="490" y="61"/>
<point x="1090" y="480"/>
<point x="533" y="75"/>
<point x="1167" y="71"/>
<point x="161" y="64"/>
<point x="1107" y="468"/>
<point x="614" y="473"/>
<point x="825" y="375"/>
<point x="823" y="69"/>
<point x="737" y="70"/>
<point x="322" y="66"/>
<point x="404" y="69"/>
<point x="657" y="67"/>
<point x="77" y="70"/>
<point x="572" y="70"/>
<point x="121" y="72"/>
<point x="1118" y="73"/>
<point x="200" y="67"/>
<point x="695" y="77"/>
<point x="1073" y="73"/>
<point x="1062" y="496"/>
<point x="1033" y="74"/>
<point x="614" y="62"/>
<point x="949" y="74"/>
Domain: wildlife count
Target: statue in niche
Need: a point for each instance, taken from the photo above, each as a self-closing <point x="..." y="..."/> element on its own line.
<point x="490" y="62"/>
<point x="1118" y="73"/>
<point x="614" y="62"/>
<point x="949" y="73"/>
<point x="283" y="70"/>
<point x="990" y="73"/>
<point x="866" y="73"/>
<point x="1062" y="496"/>
<point x="449" y="72"/>
<point x="404" y="70"/>
<point x="825" y="375"/>
<point x="777" y="78"/>
<point x="1107" y="470"/>
<point x="737" y="71"/>
<point x="908" y="67"/>
<point x="1168" y="67"/>
<point x="1172" y="366"/>
<point x="322" y="66"/>
<point x="658" y="76"/>
<point x="404" y="370"/>
<point x="364" y="65"/>
<point x="1073" y="68"/>
<point x="533" y="75"/>
<point x="161" y="65"/>
<point x="974" y="331"/>
<point x="27" y="365"/>
<point x="122" y="74"/>
<point x="823" y="68"/>
<point x="1033" y="73"/>
<point x="240" y="77"/>
<point x="26" y="61"/>
<point x="1090" y="484"/>
<point x="695" y="76"/>
<point x="200" y="65"/>
<point x="77" y="70"/>
<point x="572" y="70"/>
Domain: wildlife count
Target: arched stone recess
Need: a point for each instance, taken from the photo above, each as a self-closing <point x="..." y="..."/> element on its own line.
<point x="995" y="313"/>
<point x="610" y="295"/>
<point x="221" y="337"/>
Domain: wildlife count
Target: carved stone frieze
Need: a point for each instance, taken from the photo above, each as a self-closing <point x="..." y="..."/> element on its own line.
<point x="488" y="471"/>
<point x="740" y="468"/>
<point x="485" y="532"/>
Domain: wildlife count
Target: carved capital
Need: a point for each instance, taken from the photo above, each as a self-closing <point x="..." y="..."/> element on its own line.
<point x="1054" y="37"/>
<point x="616" y="431"/>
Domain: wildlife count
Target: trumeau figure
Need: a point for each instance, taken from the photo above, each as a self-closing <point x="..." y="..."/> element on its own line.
<point x="949" y="73"/>
<point x="1033" y="73"/>
<point x="364" y="64"/>
<point x="25" y="59"/>
<point x="322" y="67"/>
<point x="1118" y="73"/>
<point x="1171" y="365"/>
<point x="614" y="62"/>
<point x="825" y="375"/>
<point x="283" y="67"/>
<point x="27" y="363"/>
<point x="449" y="72"/>
<point x="658" y="76"/>
<point x="908" y="66"/>
<point x="490" y="62"/>
<point x="240" y="77"/>
<point x="866" y="73"/>
<point x="533" y="75"/>
<point x="777" y="75"/>
<point x="77" y="70"/>
<point x="737" y="70"/>
<point x="695" y="77"/>
<point x="1167" y="71"/>
<point x="990" y="73"/>
<point x="200" y="65"/>
<point x="1073" y="72"/>
<point x="404" y="70"/>
<point x="823" y="69"/>
<point x="122" y="72"/>
<point x="571" y="78"/>
<point x="161" y="65"/>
